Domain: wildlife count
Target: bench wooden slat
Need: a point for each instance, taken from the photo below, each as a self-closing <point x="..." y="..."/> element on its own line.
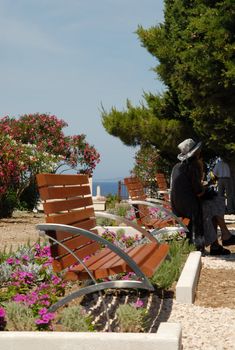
<point x="72" y="243"/>
<point x="59" y="180"/>
<point x="114" y="261"/>
<point x="71" y="217"/>
<point x="78" y="273"/>
<point x="154" y="260"/>
<point x="68" y="260"/>
<point x="138" y="254"/>
<point x="147" y="257"/>
<point x="67" y="204"/>
<point x="86" y="225"/>
<point x="63" y="192"/>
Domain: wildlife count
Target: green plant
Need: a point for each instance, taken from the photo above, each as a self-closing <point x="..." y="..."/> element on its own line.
<point x="75" y="319"/>
<point x="118" y="209"/>
<point x="170" y="269"/>
<point x="19" y="317"/>
<point x="29" y="197"/>
<point x="121" y="209"/>
<point x="104" y="222"/>
<point x="8" y="201"/>
<point x="132" y="319"/>
<point x="111" y="200"/>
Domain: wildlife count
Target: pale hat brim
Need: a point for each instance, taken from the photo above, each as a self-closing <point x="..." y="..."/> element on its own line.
<point x="188" y="155"/>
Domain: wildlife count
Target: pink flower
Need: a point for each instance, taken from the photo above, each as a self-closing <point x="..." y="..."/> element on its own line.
<point x="25" y="257"/>
<point x="138" y="303"/>
<point x="45" y="318"/>
<point x="56" y="280"/>
<point x="2" y="312"/>
<point x="43" y="311"/>
<point x="10" y="261"/>
<point x="19" y="298"/>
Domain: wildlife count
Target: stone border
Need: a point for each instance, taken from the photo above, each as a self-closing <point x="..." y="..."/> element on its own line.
<point x="168" y="337"/>
<point x="187" y="283"/>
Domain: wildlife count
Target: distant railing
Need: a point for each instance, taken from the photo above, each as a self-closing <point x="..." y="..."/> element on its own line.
<point x="122" y="191"/>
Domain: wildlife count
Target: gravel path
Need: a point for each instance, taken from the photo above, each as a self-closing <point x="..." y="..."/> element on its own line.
<point x="203" y="327"/>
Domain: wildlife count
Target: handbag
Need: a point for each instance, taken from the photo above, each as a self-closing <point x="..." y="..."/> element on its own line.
<point x="209" y="193"/>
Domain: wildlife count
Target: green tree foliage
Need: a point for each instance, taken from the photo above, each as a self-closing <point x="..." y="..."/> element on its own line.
<point x="196" y="62"/>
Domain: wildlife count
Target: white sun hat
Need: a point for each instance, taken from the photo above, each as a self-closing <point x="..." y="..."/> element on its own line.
<point x="188" y="148"/>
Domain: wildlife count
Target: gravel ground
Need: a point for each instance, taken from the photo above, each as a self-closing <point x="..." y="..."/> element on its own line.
<point x="203" y="327"/>
<point x="206" y="327"/>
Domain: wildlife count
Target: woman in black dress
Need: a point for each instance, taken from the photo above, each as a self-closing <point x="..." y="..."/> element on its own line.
<point x="190" y="199"/>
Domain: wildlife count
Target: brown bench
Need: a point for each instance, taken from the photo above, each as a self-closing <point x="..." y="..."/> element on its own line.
<point x="163" y="188"/>
<point x="71" y="228"/>
<point x="142" y="204"/>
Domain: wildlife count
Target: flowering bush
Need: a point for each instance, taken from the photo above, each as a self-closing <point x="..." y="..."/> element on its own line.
<point x="121" y="239"/>
<point x="132" y="317"/>
<point x="28" y="287"/>
<point x="147" y="163"/>
<point x="36" y="143"/>
<point x="28" y="283"/>
<point x="26" y="277"/>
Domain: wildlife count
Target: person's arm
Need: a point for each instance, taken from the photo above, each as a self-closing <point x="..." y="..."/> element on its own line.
<point x="198" y="187"/>
<point x="215" y="171"/>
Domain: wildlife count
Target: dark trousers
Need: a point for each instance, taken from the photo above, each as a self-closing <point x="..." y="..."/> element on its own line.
<point x="196" y="231"/>
<point x="225" y="189"/>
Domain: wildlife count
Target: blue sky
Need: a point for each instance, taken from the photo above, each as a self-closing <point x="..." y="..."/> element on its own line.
<point x="66" y="57"/>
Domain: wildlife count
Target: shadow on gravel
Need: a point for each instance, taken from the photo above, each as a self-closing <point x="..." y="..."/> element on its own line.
<point x="159" y="305"/>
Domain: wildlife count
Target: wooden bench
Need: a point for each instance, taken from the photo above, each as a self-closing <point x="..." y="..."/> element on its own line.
<point x="76" y="247"/>
<point x="163" y="188"/>
<point x="142" y="207"/>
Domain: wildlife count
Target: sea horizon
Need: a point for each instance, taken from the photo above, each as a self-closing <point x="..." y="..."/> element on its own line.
<point x="108" y="188"/>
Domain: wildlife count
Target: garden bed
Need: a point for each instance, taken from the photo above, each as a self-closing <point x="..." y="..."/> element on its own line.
<point x="207" y="323"/>
<point x="30" y="267"/>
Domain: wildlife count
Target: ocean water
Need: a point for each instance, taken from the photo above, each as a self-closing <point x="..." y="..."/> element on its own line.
<point x="105" y="188"/>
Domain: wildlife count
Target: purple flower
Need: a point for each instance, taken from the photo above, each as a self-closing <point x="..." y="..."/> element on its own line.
<point x="10" y="261"/>
<point x="2" y="312"/>
<point x="2" y="319"/>
<point x="44" y="296"/>
<point x="86" y="258"/>
<point x="138" y="303"/>
<point x="43" y="311"/>
<point x="25" y="257"/>
<point x="128" y="276"/>
<point x="55" y="279"/>
<point x="19" y="298"/>
<point x="45" y="318"/>
<point x="39" y="321"/>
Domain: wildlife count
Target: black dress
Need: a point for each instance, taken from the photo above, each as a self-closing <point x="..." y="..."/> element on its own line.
<point x="185" y="186"/>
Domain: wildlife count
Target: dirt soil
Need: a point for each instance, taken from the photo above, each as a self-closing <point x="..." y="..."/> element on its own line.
<point x="216" y="287"/>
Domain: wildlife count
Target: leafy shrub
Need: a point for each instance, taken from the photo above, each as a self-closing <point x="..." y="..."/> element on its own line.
<point x="27" y="278"/>
<point x="19" y="317"/>
<point x="111" y="200"/>
<point x="131" y="318"/>
<point x="170" y="269"/>
<point x="29" y="197"/>
<point x="75" y="319"/>
<point x="8" y="202"/>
